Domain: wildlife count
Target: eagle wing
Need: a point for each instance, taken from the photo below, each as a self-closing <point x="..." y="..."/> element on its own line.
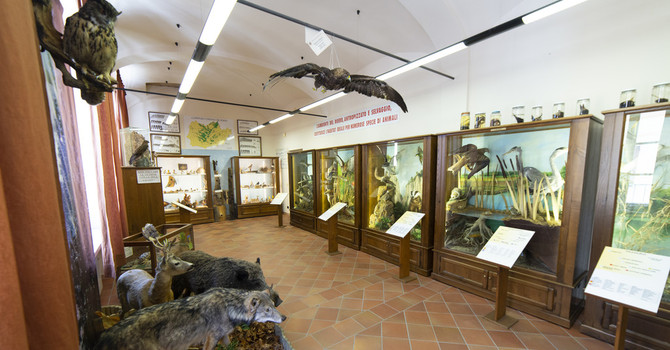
<point x="299" y="71"/>
<point x="370" y="86"/>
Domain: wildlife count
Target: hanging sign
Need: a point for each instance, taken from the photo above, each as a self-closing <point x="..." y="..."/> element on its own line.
<point x="505" y="246"/>
<point x="636" y="279"/>
<point x="367" y="118"/>
<point x="317" y="40"/>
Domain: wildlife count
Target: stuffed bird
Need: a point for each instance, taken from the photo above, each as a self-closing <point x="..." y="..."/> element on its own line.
<point x="138" y="152"/>
<point x="89" y="39"/>
<point x="339" y="78"/>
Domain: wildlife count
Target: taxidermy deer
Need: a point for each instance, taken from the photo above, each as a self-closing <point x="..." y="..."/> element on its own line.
<point x="137" y="289"/>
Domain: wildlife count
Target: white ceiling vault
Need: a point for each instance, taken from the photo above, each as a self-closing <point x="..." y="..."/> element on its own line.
<point x="157" y="38"/>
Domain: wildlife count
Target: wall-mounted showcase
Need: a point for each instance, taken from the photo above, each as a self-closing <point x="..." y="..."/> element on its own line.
<point x="256" y="184"/>
<point x="302" y="189"/>
<point x="186" y="180"/>
<point x="338" y="180"/>
<point x="397" y="176"/>
<point x="633" y="211"/>
<point x="538" y="176"/>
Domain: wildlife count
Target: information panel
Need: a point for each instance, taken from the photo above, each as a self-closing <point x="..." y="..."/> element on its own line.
<point x="332" y="211"/>
<point x="405" y="223"/>
<point x="279" y="198"/>
<point x="505" y="245"/>
<point x="636" y="279"/>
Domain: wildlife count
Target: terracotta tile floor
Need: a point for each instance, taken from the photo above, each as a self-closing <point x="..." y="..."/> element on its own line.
<point x="353" y="301"/>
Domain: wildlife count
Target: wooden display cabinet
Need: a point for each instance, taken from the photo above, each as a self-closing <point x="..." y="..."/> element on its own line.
<point x="497" y="176"/>
<point x="256" y="183"/>
<point x="186" y="177"/>
<point x="143" y="195"/>
<point x="338" y="180"/>
<point x="301" y="190"/>
<point x="398" y="176"/>
<point x="633" y="211"/>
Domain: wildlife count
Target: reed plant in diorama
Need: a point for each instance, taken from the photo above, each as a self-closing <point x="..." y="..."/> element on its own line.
<point x="529" y="200"/>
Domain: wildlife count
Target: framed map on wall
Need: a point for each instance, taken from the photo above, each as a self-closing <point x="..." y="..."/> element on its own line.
<point x="209" y="133"/>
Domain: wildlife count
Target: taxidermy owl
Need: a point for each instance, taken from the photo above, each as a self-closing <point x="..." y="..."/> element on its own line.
<point x="88" y="38"/>
<point x="339" y="78"/>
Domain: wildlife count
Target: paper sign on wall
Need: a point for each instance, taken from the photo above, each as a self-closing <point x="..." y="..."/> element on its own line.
<point x="505" y="246"/>
<point x="632" y="278"/>
<point x="403" y="225"/>
<point x="332" y="211"/>
<point x="279" y="198"/>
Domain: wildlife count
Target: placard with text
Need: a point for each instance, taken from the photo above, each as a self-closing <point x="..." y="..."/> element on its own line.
<point x="405" y="223"/>
<point x="505" y="246"/>
<point x="629" y="277"/>
<point x="279" y="198"/>
<point x="332" y="211"/>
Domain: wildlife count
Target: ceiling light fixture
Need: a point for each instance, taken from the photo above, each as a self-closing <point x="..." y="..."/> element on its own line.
<point x="176" y="106"/>
<point x="216" y="19"/>
<point x="191" y="74"/>
<point x="257" y="127"/>
<point x="322" y="101"/>
<point x="549" y="10"/>
<point x="218" y="15"/>
<point x="423" y="60"/>
<point x="170" y="119"/>
<point x="285" y="116"/>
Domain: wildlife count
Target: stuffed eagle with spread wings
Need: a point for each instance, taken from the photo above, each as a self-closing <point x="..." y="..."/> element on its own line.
<point x="339" y="78"/>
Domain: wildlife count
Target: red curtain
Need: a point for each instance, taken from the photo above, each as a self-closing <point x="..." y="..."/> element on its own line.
<point x="112" y="200"/>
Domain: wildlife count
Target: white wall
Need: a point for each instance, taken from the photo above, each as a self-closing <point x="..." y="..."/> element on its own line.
<point x="595" y="50"/>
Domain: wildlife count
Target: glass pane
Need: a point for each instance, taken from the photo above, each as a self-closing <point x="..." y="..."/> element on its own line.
<point x="257" y="177"/>
<point x="303" y="198"/>
<point x="642" y="221"/>
<point x="395" y="178"/>
<point x="184" y="181"/>
<point x="511" y="178"/>
<point x="336" y="181"/>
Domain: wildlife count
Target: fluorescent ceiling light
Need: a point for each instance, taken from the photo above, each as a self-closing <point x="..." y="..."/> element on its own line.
<point x="322" y="101"/>
<point x="191" y="74"/>
<point x="218" y="15"/>
<point x="424" y="60"/>
<point x="550" y="10"/>
<point x="176" y="106"/>
<point x="171" y="117"/>
<point x="285" y="116"/>
<point x="257" y="128"/>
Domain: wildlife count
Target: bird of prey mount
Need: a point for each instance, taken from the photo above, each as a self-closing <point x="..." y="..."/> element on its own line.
<point x="338" y="79"/>
<point x="88" y="45"/>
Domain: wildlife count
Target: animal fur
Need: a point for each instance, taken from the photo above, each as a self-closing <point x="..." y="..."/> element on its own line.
<point x="210" y="272"/>
<point x="180" y="323"/>
<point x="136" y="288"/>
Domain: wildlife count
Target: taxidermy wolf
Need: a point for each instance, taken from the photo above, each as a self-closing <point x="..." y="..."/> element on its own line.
<point x="210" y="272"/>
<point x="203" y="318"/>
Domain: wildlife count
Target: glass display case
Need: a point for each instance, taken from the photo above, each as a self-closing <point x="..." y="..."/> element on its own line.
<point x="132" y="140"/>
<point x="633" y="207"/>
<point x="536" y="176"/>
<point x="398" y="177"/>
<point x="337" y="172"/>
<point x="256" y="184"/>
<point x="302" y="189"/>
<point x="186" y="180"/>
